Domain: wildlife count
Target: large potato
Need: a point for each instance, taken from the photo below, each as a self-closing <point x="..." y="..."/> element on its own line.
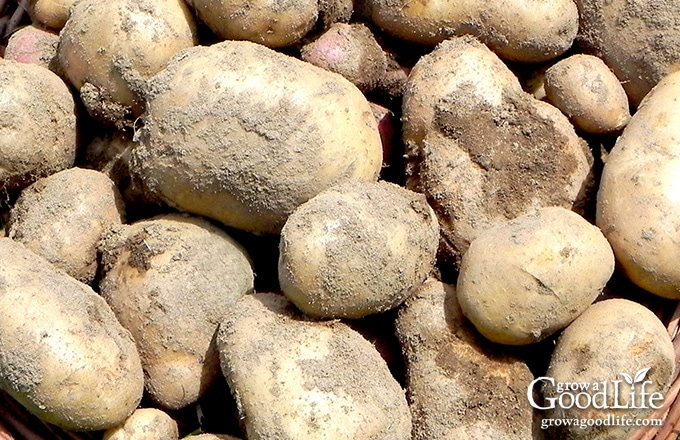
<point x="62" y="218"/>
<point x="615" y="343"/>
<point x="109" y="48"/>
<point x="169" y="281"/>
<point x="638" y="39"/>
<point x="356" y="249"/>
<point x="518" y="30"/>
<point x="63" y="354"/>
<point x="639" y="197"/>
<point x="241" y="134"/>
<point x="481" y="149"/>
<point x="459" y="387"/>
<point x="37" y="124"/>
<point x="523" y="281"/>
<point x="300" y="379"/>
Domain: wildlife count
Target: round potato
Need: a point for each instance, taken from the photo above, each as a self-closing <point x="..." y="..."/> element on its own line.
<point x="356" y="249"/>
<point x="638" y="200"/>
<point x="523" y="281"/>
<point x="63" y="354"/>
<point x="50" y="13"/>
<point x="36" y="110"/>
<point x="108" y="49"/>
<point x="299" y="379"/>
<point x="145" y="424"/>
<point x="242" y="134"/>
<point x="584" y="89"/>
<point x="62" y="218"/>
<point x="623" y="348"/>
<point x="169" y="281"/>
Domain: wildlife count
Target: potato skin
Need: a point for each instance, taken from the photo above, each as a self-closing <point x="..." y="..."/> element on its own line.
<point x="303" y="379"/>
<point x="611" y="337"/>
<point x="33" y="93"/>
<point x="584" y="89"/>
<point x="78" y="369"/>
<point x="50" y="13"/>
<point x="523" y="281"/>
<point x="357" y="249"/>
<point x="517" y="30"/>
<point x="637" y="203"/>
<point x="168" y="270"/>
<point x="62" y="218"/>
<point x="241" y="134"/>
<point x="145" y="424"/>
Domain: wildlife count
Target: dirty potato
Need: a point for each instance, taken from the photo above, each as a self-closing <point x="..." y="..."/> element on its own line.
<point x="145" y="424"/>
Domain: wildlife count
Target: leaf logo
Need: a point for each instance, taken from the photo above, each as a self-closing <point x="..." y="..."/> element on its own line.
<point x="639" y="376"/>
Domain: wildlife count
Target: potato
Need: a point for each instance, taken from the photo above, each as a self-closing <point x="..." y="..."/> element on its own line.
<point x="334" y="11"/>
<point x="108" y="49"/>
<point x="517" y="30"/>
<point x="33" y="45"/>
<point x="169" y="281"/>
<point x="638" y="203"/>
<point x="350" y="50"/>
<point x="62" y="218"/>
<point x="211" y="437"/>
<point x="481" y="149"/>
<point x="529" y="278"/>
<point x="357" y="249"/>
<point x="145" y="424"/>
<point x="613" y="344"/>
<point x="585" y="90"/>
<point x="241" y="134"/>
<point x="50" y="13"/>
<point x="63" y="354"/>
<point x="273" y="23"/>
<point x="301" y="379"/>
<point x="459" y="387"/>
<point x="36" y="110"/>
<point x="638" y="39"/>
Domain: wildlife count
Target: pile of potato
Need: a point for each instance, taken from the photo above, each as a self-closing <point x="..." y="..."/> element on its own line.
<point x="338" y="219"/>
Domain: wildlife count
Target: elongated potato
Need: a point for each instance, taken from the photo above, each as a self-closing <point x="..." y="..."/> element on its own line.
<point x="639" y="196"/>
<point x="242" y="134"/>
<point x="63" y="354"/>
<point x="170" y="280"/>
<point x="299" y="379"/>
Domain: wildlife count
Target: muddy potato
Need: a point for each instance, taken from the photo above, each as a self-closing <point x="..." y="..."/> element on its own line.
<point x="529" y="278"/>
<point x="169" y="280"/>
<point x="33" y="45"/>
<point x="459" y="386"/>
<point x="638" y="39"/>
<point x="357" y="249"/>
<point x="584" y="89"/>
<point x="62" y="218"/>
<point x="50" y="13"/>
<point x="37" y="124"/>
<point x="145" y="424"/>
<point x="63" y="354"/>
<point x="108" y="49"/>
<point x="303" y="379"/>
<point x="518" y="30"/>
<point x="242" y="134"/>
<point x="273" y="23"/>
<point x="481" y="149"/>
<point x="615" y="342"/>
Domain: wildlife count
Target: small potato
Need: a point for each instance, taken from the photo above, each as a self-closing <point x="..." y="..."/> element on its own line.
<point x="613" y="344"/>
<point x="459" y="388"/>
<point x="584" y="89"/>
<point x="108" y="49"/>
<point x="481" y="149"/>
<point x="357" y="249"/>
<point x="50" y="13"/>
<point x="525" y="280"/>
<point x="298" y="379"/>
<point x="63" y="354"/>
<point x="145" y="424"/>
<point x="36" y="110"/>
<point x="517" y="30"/>
<point x="62" y="218"/>
<point x="170" y="280"/>
<point x="639" y="196"/>
<point x="242" y="134"/>
<point x="350" y="50"/>
<point x="33" y="45"/>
